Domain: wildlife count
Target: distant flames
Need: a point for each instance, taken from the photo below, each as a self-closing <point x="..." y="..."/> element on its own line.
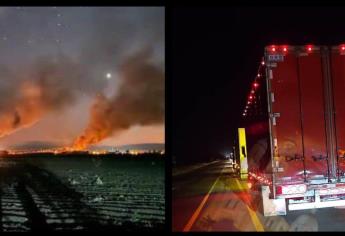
<point x="69" y="150"/>
<point x="139" y="101"/>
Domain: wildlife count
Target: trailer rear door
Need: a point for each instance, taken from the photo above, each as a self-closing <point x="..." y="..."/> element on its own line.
<point x="297" y="102"/>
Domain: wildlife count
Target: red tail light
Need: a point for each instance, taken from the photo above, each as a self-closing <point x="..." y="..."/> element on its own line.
<point x="279" y="190"/>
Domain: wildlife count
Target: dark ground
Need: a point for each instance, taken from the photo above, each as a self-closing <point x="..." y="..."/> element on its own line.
<point x="81" y="193"/>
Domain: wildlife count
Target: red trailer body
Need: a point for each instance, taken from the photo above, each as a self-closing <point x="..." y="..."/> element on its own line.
<point x="306" y="130"/>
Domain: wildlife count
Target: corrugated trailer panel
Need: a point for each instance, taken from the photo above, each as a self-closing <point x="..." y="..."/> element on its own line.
<point x="338" y="75"/>
<point x="313" y="113"/>
<point x="287" y="138"/>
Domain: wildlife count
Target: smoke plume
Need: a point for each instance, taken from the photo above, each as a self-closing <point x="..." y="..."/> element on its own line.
<point x="45" y="87"/>
<point x="139" y="101"/>
<point x="31" y="86"/>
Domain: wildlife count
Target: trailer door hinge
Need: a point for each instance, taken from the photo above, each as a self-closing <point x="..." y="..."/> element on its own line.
<point x="272" y="97"/>
<point x="276" y="114"/>
<point x="271" y="64"/>
<point x="274" y="121"/>
<point x="273" y="117"/>
<point x="278" y="169"/>
<point x="270" y="74"/>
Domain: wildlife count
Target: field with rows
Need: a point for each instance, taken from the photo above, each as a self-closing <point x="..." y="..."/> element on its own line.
<point x="82" y="193"/>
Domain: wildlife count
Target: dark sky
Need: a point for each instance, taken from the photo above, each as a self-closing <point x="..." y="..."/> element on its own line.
<point x="54" y="62"/>
<point x="215" y="57"/>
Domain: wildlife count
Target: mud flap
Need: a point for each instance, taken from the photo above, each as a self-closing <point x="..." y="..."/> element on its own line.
<point x="272" y="207"/>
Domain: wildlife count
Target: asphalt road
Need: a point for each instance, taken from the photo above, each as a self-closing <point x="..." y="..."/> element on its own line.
<point x="212" y="198"/>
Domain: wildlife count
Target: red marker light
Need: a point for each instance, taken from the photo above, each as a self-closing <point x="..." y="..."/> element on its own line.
<point x="343" y="48"/>
<point x="256" y="85"/>
<point x="250" y="97"/>
<point x="252" y="91"/>
<point x="284" y="49"/>
<point x="259" y="75"/>
<point x="273" y="49"/>
<point x="309" y="48"/>
<point x="262" y="63"/>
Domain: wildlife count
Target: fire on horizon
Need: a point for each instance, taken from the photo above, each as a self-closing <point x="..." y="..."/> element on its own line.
<point x="86" y="76"/>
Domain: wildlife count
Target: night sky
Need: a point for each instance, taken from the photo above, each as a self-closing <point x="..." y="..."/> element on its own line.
<point x="54" y="61"/>
<point x="215" y="56"/>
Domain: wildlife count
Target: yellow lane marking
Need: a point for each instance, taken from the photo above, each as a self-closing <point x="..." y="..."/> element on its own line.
<point x="253" y="216"/>
<point x="198" y="210"/>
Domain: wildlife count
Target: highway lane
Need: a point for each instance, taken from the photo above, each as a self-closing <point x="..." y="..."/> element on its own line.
<point x="213" y="199"/>
<point x="189" y="190"/>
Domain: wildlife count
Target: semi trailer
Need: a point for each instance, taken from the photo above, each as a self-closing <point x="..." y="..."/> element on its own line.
<point x="292" y="137"/>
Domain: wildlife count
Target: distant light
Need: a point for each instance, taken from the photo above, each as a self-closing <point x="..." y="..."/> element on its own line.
<point x="263" y="63"/>
<point x="108" y="75"/>
<point x="273" y="49"/>
<point x="249" y="184"/>
<point x="250" y="97"/>
<point x="284" y="49"/>
<point x="309" y="48"/>
<point x="259" y="75"/>
<point x="343" y="47"/>
<point x="252" y="91"/>
<point x="255" y="85"/>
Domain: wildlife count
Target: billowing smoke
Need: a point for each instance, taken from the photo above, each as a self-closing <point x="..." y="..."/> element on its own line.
<point x="48" y="85"/>
<point x="32" y="85"/>
<point x="139" y="101"/>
